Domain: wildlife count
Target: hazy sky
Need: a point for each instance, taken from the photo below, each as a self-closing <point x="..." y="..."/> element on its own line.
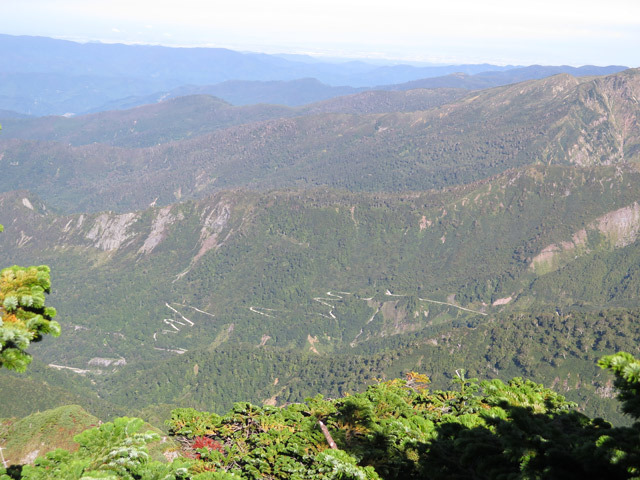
<point x="453" y="31"/>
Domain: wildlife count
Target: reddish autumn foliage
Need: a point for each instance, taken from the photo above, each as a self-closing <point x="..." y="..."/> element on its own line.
<point x="208" y="443"/>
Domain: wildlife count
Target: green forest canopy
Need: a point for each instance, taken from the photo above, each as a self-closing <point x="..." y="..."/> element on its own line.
<point x="397" y="429"/>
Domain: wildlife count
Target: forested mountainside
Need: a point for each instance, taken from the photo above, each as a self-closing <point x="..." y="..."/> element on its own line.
<point x="330" y="272"/>
<point x="559" y="120"/>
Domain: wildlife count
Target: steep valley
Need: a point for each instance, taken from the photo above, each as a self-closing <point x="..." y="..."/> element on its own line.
<point x="298" y="278"/>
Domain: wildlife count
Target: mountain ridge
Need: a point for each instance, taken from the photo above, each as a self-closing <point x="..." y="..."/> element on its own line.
<point x="560" y="120"/>
<point x="182" y="117"/>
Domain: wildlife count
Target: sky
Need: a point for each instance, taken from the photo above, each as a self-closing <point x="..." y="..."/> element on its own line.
<point x="549" y="32"/>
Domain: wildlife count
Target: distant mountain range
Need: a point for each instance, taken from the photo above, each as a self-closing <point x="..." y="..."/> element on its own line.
<point x="173" y="67"/>
<point x="191" y="147"/>
<point x="42" y="76"/>
<point x="193" y="115"/>
<point x="490" y="79"/>
<point x="309" y="90"/>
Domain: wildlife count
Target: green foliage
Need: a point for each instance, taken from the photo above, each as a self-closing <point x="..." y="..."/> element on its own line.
<point x="41" y="388"/>
<point x="400" y="430"/>
<point x="558" y="350"/>
<point x="623" y="445"/>
<point x="258" y="442"/>
<point x="396" y="429"/>
<point x="627" y="380"/>
<point x="242" y="371"/>
<point x="23" y="315"/>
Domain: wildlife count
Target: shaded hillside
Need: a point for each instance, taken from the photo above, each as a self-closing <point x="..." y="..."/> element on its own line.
<point x="43" y="387"/>
<point x="61" y="93"/>
<point x="243" y="92"/>
<point x="11" y="114"/>
<point x="144" y="126"/>
<point x="556" y="120"/>
<point x="378" y="101"/>
<point x="291" y="93"/>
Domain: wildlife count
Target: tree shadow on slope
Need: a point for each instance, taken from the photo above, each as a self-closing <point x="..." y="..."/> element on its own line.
<point x="523" y="444"/>
<point x="518" y="430"/>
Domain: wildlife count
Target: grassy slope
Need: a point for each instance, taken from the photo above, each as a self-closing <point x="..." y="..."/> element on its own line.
<point x="36" y="434"/>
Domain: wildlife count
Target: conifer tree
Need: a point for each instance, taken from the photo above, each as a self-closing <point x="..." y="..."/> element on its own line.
<point x="623" y="444"/>
<point x="626" y="369"/>
<point x="24" y="318"/>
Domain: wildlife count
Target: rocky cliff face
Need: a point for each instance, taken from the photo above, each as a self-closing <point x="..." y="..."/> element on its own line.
<point x="617" y="229"/>
<point x="110" y="232"/>
<point x="132" y="234"/>
<point x="603" y="125"/>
